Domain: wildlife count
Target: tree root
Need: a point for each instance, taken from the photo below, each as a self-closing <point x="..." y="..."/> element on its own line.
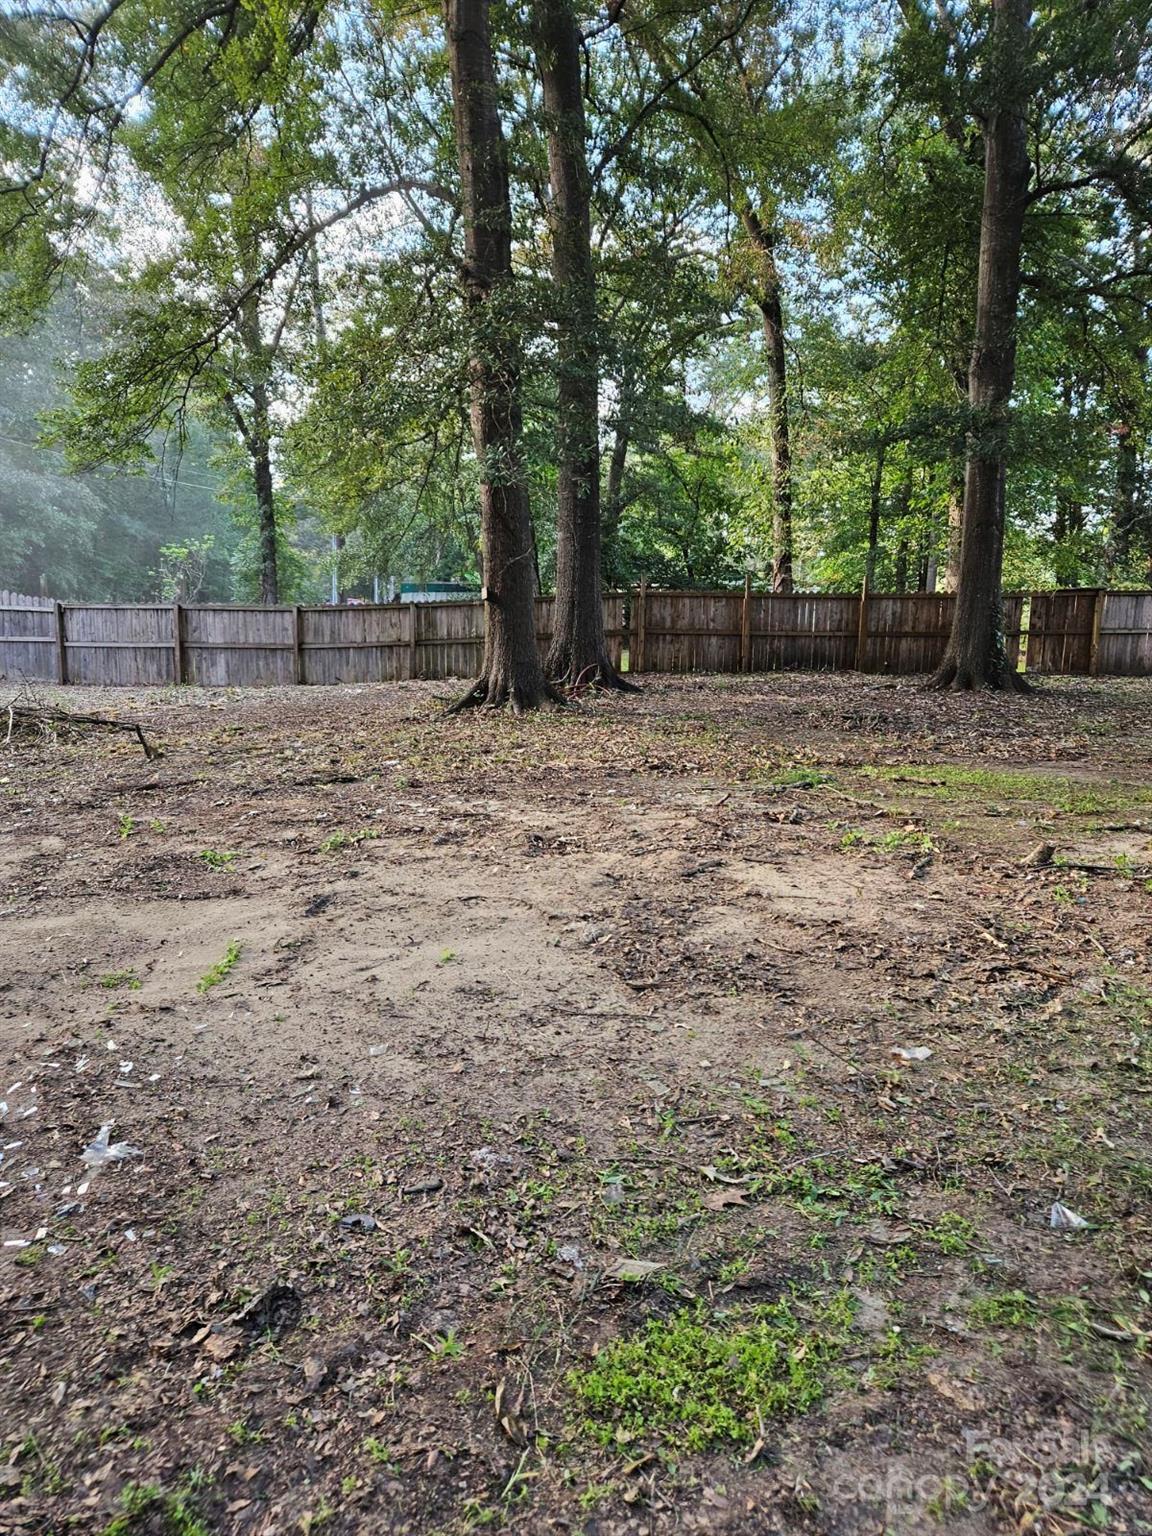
<point x="952" y="678"/>
<point x="564" y="671"/>
<point x="600" y="674"/>
<point x="485" y="694"/>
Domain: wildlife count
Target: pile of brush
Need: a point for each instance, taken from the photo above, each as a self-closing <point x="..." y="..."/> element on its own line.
<point x="27" y="717"/>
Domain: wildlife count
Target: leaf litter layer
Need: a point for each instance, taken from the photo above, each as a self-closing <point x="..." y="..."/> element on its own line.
<point x="645" y="1118"/>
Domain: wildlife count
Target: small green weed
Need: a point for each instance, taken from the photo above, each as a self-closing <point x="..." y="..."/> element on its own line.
<point x="114" y="980"/>
<point x="217" y="860"/>
<point x="339" y="839"/>
<point x="127" y="826"/>
<point x="378" y="1451"/>
<point x="443" y="1346"/>
<point x="240" y="1433"/>
<point x="215" y="974"/>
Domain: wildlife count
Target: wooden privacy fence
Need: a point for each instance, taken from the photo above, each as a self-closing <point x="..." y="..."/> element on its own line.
<point x="650" y="630"/>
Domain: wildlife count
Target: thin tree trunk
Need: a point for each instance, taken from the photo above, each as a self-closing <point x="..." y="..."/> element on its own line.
<point x="512" y="672"/>
<point x="900" y="565"/>
<point x="769" y="301"/>
<point x="955" y="530"/>
<point x="976" y="656"/>
<point x="903" y="505"/>
<point x="1128" y="518"/>
<point x="578" y="653"/>
<point x="1068" y="521"/>
<point x="614" y="489"/>
<point x="874" y="505"/>
<point x="265" y="507"/>
<point x="258" y="440"/>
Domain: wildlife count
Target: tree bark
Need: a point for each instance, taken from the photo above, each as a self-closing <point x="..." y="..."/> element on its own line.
<point x="512" y="672"/>
<point x="955" y="530"/>
<point x="769" y="301"/>
<point x="578" y="653"/>
<point x="265" y="505"/>
<point x="257" y="434"/>
<point x="614" y="489"/>
<point x="976" y="656"/>
<point x="1129" y="520"/>
<point x="958" y="368"/>
<point x="901" y="510"/>
<point x="875" y="503"/>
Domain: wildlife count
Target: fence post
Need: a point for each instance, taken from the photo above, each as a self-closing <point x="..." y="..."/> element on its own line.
<point x="61" y="647"/>
<point x="746" y="626"/>
<point x="298" y="642"/>
<point x="178" y="642"/>
<point x="862" y="627"/>
<point x="413" y="638"/>
<point x="1094" y="646"/>
<point x="641" y="619"/>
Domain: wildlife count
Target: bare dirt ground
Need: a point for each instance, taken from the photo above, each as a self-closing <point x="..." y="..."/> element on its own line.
<point x="644" y="1119"/>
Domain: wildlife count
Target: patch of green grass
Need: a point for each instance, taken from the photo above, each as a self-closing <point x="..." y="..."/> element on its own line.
<point x="114" y="980"/>
<point x="44" y="1474"/>
<point x="801" y="778"/>
<point x="906" y="839"/>
<point x="899" y="840"/>
<point x="820" y="1187"/>
<point x="146" y="1509"/>
<point x="127" y="826"/>
<point x="702" y="1378"/>
<point x="952" y="1233"/>
<point x="215" y="974"/>
<point x="217" y="860"/>
<point x="944" y="782"/>
<point x="1005" y="1309"/>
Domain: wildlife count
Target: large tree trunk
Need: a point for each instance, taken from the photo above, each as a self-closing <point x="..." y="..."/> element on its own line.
<point x="512" y="672"/>
<point x="769" y="301"/>
<point x="976" y="655"/>
<point x="578" y="653"/>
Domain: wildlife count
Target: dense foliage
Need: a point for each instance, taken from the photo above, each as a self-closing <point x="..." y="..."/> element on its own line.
<point x="253" y="215"/>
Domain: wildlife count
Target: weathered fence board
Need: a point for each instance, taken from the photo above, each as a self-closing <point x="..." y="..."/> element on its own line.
<point x="223" y="645"/>
<point x="358" y="645"/>
<point x="804" y="630"/>
<point x="237" y="647"/>
<point x="1124" y="635"/>
<point x="29" y="643"/>
<point x="121" y="644"/>
<point x="1060" y="631"/>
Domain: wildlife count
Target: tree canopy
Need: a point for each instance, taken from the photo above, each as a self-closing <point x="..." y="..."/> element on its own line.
<point x="746" y="244"/>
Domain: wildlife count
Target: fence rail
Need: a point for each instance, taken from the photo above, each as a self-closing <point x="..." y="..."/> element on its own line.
<point x="650" y="630"/>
